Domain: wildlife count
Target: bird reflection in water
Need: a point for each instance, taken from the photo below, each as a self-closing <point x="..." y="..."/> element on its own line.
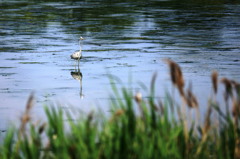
<point x="77" y="75"/>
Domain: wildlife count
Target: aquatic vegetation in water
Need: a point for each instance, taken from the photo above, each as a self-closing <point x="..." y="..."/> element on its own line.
<point x="137" y="127"/>
<point x="6" y="74"/>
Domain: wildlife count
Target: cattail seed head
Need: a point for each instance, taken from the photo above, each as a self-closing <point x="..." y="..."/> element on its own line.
<point x="190" y="98"/>
<point x="215" y="81"/>
<point x="235" y="108"/>
<point x="29" y="103"/>
<point x="118" y="112"/>
<point x="41" y="128"/>
<point x="176" y="75"/>
<point x="228" y="87"/>
<point x="138" y="97"/>
<point x="236" y="86"/>
<point x="25" y="119"/>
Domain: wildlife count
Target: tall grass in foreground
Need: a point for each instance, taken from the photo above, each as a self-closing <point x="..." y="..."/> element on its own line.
<point x="158" y="129"/>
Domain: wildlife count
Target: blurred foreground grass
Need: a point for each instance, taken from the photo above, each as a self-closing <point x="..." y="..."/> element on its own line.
<point x="137" y="128"/>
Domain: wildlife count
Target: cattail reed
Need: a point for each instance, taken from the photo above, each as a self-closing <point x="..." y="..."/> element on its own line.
<point x="138" y="97"/>
<point x="237" y="149"/>
<point x="41" y="128"/>
<point x="30" y="103"/>
<point x="235" y="114"/>
<point x="205" y="130"/>
<point x="207" y="121"/>
<point x="178" y="81"/>
<point x="26" y="116"/>
<point x="215" y="81"/>
<point x="117" y="114"/>
<point x="176" y="76"/>
<point x="235" y="110"/>
<point x="192" y="102"/>
<point x="191" y="98"/>
<point x="236" y="86"/>
<point x="228" y="88"/>
<point x="228" y="92"/>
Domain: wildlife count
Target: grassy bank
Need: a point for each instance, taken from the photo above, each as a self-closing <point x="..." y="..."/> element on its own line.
<point x="136" y="128"/>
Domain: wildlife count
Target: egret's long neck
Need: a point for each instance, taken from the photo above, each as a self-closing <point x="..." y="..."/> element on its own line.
<point x="80" y="45"/>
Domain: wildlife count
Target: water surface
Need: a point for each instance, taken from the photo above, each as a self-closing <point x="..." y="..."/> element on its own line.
<point x="126" y="39"/>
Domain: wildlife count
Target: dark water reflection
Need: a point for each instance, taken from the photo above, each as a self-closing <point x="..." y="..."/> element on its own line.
<point x="123" y="38"/>
<point x="77" y="75"/>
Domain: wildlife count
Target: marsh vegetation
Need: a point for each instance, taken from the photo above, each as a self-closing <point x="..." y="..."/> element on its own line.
<point x="136" y="127"/>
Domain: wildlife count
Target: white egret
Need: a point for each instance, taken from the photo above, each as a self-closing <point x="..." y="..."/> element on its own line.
<point x="78" y="54"/>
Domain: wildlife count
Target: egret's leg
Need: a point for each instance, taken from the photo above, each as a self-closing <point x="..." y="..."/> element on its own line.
<point x="79" y="64"/>
<point x="75" y="65"/>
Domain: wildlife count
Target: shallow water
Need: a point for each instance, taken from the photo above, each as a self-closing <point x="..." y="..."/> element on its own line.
<point x="126" y="39"/>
